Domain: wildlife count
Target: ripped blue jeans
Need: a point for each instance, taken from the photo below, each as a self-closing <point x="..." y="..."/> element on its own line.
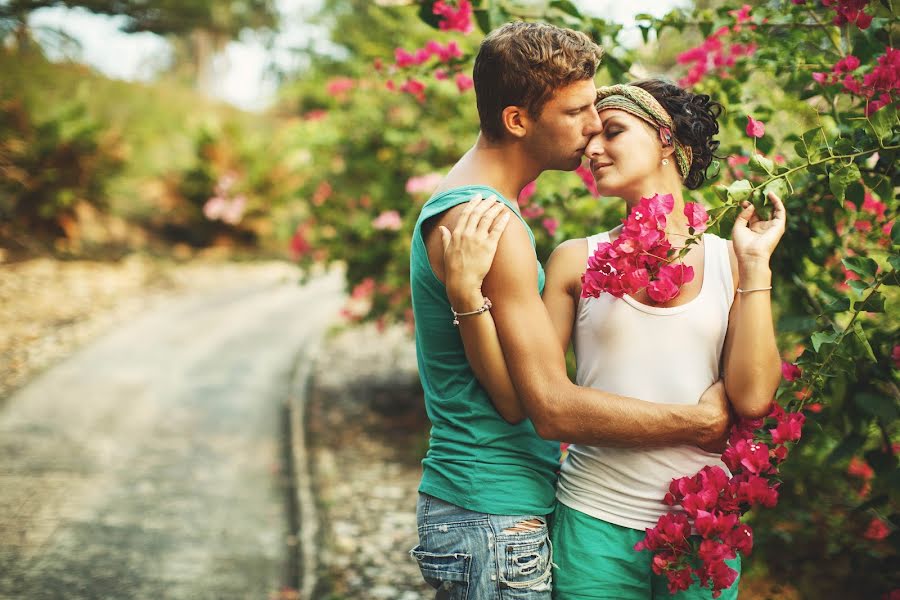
<point x="469" y="555"/>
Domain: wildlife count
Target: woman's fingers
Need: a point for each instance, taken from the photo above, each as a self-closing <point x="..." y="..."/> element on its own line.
<point x="478" y="214"/>
<point x="466" y="215"/>
<point x="498" y="228"/>
<point x="489" y="217"/>
<point x="446" y="236"/>
<point x="743" y="218"/>
<point x="780" y="214"/>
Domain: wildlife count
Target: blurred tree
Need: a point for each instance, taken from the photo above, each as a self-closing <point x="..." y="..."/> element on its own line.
<point x="199" y="29"/>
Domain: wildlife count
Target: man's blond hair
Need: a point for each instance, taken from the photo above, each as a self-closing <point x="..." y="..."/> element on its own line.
<point x="523" y="64"/>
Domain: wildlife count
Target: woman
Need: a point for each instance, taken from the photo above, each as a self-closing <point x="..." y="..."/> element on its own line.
<point x="657" y="138"/>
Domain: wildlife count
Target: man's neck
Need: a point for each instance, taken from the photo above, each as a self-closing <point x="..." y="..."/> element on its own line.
<point x="500" y="165"/>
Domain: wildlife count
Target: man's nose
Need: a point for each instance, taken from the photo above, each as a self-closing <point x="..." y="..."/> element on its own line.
<point x="595" y="125"/>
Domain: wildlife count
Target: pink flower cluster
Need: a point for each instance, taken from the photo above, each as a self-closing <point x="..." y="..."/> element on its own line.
<point x="339" y="86"/>
<point x="882" y="81"/>
<point x="584" y="171"/>
<point x="445" y="54"/>
<point x="458" y="19"/>
<point x="223" y="205"/>
<point x="850" y="11"/>
<point x="640" y="256"/>
<point x="714" y="502"/>
<point x="715" y="55"/>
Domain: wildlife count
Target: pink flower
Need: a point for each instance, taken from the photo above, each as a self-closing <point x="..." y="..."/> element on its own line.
<point x="388" y="220"/>
<point x="533" y="211"/>
<point x="755" y="128"/>
<point x="860" y="468"/>
<point x="299" y="245"/>
<point x="423" y="184"/>
<point x="697" y="216"/>
<point x="415" y="88"/>
<point x="363" y="289"/>
<point x="459" y="19"/>
<point x="588" y="178"/>
<point x="876" y="530"/>
<point x="526" y="193"/>
<point x="551" y="225"/>
<point x="441" y="74"/>
<point x="339" y="86"/>
<point x="662" y="290"/>
<point x="820" y="78"/>
<point x="790" y="371"/>
<point x="404" y="58"/>
<point x="742" y="15"/>
<point x="464" y="82"/>
<point x="846" y="64"/>
<point x="895" y="356"/>
<point x="788" y="430"/>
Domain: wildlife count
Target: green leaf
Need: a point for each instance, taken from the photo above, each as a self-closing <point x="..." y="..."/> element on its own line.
<point x="484" y="20"/>
<point x="884" y="121"/>
<point x="858" y="286"/>
<point x="841" y="304"/>
<point x="814" y="142"/>
<point x="874" y="303"/>
<point x="894" y="259"/>
<point x="856" y="193"/>
<point x="722" y="193"/>
<point x="895" y="237"/>
<point x="739" y="190"/>
<point x="862" y="266"/>
<point x="877" y="405"/>
<point x="863" y="341"/>
<point x="761" y="164"/>
<point x="567" y="7"/>
<point x="848" y="447"/>
<point x="839" y="179"/>
<point x="822" y="337"/>
<point x="778" y="187"/>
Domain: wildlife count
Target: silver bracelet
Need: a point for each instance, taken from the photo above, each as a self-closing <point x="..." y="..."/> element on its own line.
<point x="742" y="291"/>
<point x="484" y="308"/>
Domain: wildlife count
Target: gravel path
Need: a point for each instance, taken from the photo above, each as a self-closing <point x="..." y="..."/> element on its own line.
<point x="49" y="308"/>
<point x="149" y="463"/>
<point x="367" y="432"/>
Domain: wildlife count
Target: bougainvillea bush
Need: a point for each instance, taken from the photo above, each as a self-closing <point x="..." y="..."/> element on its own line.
<point x="810" y="90"/>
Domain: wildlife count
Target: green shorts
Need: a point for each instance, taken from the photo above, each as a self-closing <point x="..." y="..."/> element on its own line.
<point x="597" y="560"/>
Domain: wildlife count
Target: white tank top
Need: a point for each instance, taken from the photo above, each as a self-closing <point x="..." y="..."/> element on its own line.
<point x="664" y="355"/>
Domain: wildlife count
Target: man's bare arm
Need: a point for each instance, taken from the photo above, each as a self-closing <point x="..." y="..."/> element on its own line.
<point x="559" y="409"/>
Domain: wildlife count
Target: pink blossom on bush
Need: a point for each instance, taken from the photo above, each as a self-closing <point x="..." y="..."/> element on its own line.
<point x="533" y="211"/>
<point x="339" y="86"/>
<point x="860" y="468"/>
<point x="526" y="193"/>
<point x="459" y="19"/>
<point x="423" y="184"/>
<point x="877" y="530"/>
<point x="389" y="220"/>
<point x="755" y="128"/>
<point x="322" y="193"/>
<point x="415" y="88"/>
<point x="464" y="82"/>
<point x="790" y="371"/>
<point x="299" y="245"/>
<point x="588" y="178"/>
<point x="551" y="225"/>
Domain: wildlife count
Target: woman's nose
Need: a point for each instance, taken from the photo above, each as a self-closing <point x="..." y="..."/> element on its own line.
<point x="594" y="147"/>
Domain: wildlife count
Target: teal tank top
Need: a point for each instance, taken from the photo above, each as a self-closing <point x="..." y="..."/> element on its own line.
<point x="475" y="459"/>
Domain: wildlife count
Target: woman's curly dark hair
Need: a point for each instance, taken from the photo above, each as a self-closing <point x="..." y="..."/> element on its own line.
<point x="695" y="117"/>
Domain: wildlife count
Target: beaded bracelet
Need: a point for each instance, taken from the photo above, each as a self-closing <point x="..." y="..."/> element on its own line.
<point x="740" y="291"/>
<point x="484" y="308"/>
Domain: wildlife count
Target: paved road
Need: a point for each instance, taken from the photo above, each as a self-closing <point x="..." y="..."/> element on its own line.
<point x="150" y="464"/>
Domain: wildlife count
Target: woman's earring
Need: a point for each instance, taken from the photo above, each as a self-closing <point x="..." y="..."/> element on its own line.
<point x="665" y="161"/>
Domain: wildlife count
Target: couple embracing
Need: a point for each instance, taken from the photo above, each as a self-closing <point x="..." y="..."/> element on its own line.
<point x="656" y="383"/>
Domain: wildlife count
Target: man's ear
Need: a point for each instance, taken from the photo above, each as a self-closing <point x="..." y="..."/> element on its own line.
<point x="515" y="121"/>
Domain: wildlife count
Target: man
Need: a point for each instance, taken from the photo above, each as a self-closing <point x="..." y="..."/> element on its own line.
<point x="488" y="482"/>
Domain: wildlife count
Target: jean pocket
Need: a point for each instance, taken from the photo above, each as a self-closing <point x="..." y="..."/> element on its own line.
<point x="528" y="564"/>
<point x="448" y="573"/>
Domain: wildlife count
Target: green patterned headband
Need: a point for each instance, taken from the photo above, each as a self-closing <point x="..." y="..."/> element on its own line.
<point x="641" y="103"/>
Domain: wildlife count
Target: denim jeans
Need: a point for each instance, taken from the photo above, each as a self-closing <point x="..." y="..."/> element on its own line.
<point x="469" y="555"/>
